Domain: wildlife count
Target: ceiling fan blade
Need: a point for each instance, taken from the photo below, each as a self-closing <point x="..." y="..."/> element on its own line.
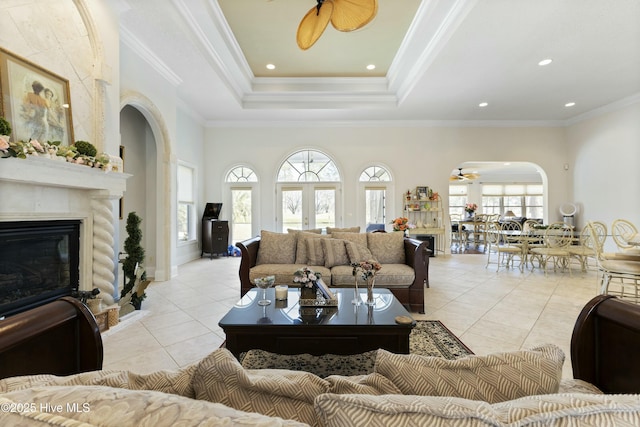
<point x="349" y="15"/>
<point x="313" y="25"/>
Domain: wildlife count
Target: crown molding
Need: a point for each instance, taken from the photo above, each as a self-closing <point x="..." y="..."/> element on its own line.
<point x="148" y="56"/>
<point x="609" y="108"/>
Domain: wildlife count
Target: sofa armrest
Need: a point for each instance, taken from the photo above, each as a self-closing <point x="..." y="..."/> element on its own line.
<point x="417" y="257"/>
<point x="249" y="251"/>
<point x="605" y="345"/>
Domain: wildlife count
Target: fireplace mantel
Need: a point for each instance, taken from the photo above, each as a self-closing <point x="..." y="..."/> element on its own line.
<point x="55" y="173"/>
<point x="39" y="188"/>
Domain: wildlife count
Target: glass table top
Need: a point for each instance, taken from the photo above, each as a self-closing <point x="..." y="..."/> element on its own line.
<point x="288" y="312"/>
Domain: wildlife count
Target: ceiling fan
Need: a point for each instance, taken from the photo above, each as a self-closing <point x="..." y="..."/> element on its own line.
<point x="345" y="15"/>
<point x="463" y="176"/>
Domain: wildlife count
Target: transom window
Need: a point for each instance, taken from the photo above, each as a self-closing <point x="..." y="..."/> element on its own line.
<point x="308" y="166"/>
<point x="241" y="174"/>
<point x="375" y="173"/>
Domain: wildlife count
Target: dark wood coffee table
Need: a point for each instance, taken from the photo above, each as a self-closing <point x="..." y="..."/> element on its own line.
<point x="284" y="327"/>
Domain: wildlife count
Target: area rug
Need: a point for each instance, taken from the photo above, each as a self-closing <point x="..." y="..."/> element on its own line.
<point x="428" y="338"/>
<point x="432" y="338"/>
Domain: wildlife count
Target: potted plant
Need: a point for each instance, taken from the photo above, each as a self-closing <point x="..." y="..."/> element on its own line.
<point x="134" y="275"/>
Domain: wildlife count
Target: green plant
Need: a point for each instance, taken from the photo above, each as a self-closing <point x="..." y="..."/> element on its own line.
<point x="134" y="259"/>
<point x="5" y="126"/>
<point x="86" y="148"/>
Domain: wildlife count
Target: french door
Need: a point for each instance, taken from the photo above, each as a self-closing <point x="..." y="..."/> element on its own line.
<point x="305" y="206"/>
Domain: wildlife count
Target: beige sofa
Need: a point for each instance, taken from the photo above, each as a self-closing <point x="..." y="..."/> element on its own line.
<point x="405" y="261"/>
<point x="520" y="388"/>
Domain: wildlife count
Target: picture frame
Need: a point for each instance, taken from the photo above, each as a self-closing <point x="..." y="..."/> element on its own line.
<point x="422" y="192"/>
<point x="35" y="101"/>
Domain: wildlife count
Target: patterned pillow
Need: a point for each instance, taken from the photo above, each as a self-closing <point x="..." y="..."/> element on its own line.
<point x="493" y="378"/>
<point x="357" y="252"/>
<point x="315" y="251"/>
<point x="220" y="378"/>
<point x="387" y="248"/>
<point x="335" y="410"/>
<point x="301" y="247"/>
<point x="276" y="248"/>
<point x="359" y="238"/>
<point x="84" y="406"/>
<point x="335" y="253"/>
<point x="331" y="230"/>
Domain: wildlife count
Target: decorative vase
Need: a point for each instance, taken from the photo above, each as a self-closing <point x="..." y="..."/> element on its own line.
<point x="371" y="282"/>
<point x="356" y="295"/>
<point x="308" y="293"/>
<point x="470" y="215"/>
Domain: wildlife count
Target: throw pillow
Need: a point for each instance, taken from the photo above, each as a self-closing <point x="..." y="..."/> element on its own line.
<point x="331" y="230"/>
<point x="493" y="378"/>
<point x="276" y="248"/>
<point x="387" y="248"/>
<point x="301" y="246"/>
<point x="545" y="410"/>
<point x="357" y="253"/>
<point x="311" y="230"/>
<point x="359" y="238"/>
<point x="335" y="253"/>
<point x="220" y="378"/>
<point x="315" y="251"/>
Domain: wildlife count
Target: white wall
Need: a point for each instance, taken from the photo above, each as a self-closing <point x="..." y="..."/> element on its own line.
<point x="415" y="156"/>
<point x="605" y="153"/>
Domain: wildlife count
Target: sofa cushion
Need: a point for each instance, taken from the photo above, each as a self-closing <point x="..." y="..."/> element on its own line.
<point x="387" y="248"/>
<point x="359" y="238"/>
<point x="276" y="248"/>
<point x="331" y="230"/>
<point x="492" y="378"/>
<point x="315" y="251"/>
<point x="220" y="378"/>
<point x="358" y="252"/>
<point x="335" y="252"/>
<point x="284" y="272"/>
<point x="390" y="276"/>
<point x="301" y="246"/>
<point x="85" y="406"/>
<point x="275" y="392"/>
<point x="542" y="410"/>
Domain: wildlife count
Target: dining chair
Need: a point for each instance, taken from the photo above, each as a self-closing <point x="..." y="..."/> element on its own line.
<point x="625" y="274"/>
<point x="584" y="249"/>
<point x="504" y="241"/>
<point x="622" y="231"/>
<point x="557" y="238"/>
<point x="458" y="231"/>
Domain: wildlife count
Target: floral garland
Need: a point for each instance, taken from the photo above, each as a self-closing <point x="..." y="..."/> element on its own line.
<point x="54" y="151"/>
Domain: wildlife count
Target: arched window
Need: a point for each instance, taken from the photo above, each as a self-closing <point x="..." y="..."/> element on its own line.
<point x="308" y="166"/>
<point x="241" y="174"/>
<point x="375" y="173"/>
<point x="307" y="188"/>
<point x="241" y="184"/>
<point x="375" y="190"/>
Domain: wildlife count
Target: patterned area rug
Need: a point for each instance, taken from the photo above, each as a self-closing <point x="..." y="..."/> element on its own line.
<point x="432" y="338"/>
<point x="428" y="338"/>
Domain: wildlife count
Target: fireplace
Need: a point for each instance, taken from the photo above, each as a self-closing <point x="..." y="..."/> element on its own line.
<point x="39" y="262"/>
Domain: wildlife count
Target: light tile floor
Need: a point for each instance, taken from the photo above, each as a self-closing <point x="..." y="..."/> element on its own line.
<point x="489" y="311"/>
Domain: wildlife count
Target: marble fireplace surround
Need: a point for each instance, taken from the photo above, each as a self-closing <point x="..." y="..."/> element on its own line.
<point x="37" y="188"/>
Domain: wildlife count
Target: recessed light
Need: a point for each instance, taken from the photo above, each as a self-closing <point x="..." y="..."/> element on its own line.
<point x="271" y="67"/>
<point x="371" y="67"/>
<point x="569" y="104"/>
<point x="483" y="104"/>
<point x="545" y="62"/>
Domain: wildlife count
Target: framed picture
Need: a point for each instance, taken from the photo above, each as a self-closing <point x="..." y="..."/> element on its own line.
<point x="422" y="192"/>
<point x="35" y="101"/>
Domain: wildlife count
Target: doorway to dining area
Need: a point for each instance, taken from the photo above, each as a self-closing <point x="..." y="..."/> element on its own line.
<point x="482" y="192"/>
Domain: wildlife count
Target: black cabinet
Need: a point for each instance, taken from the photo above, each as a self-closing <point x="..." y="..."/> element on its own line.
<point x="431" y="242"/>
<point x="215" y="237"/>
